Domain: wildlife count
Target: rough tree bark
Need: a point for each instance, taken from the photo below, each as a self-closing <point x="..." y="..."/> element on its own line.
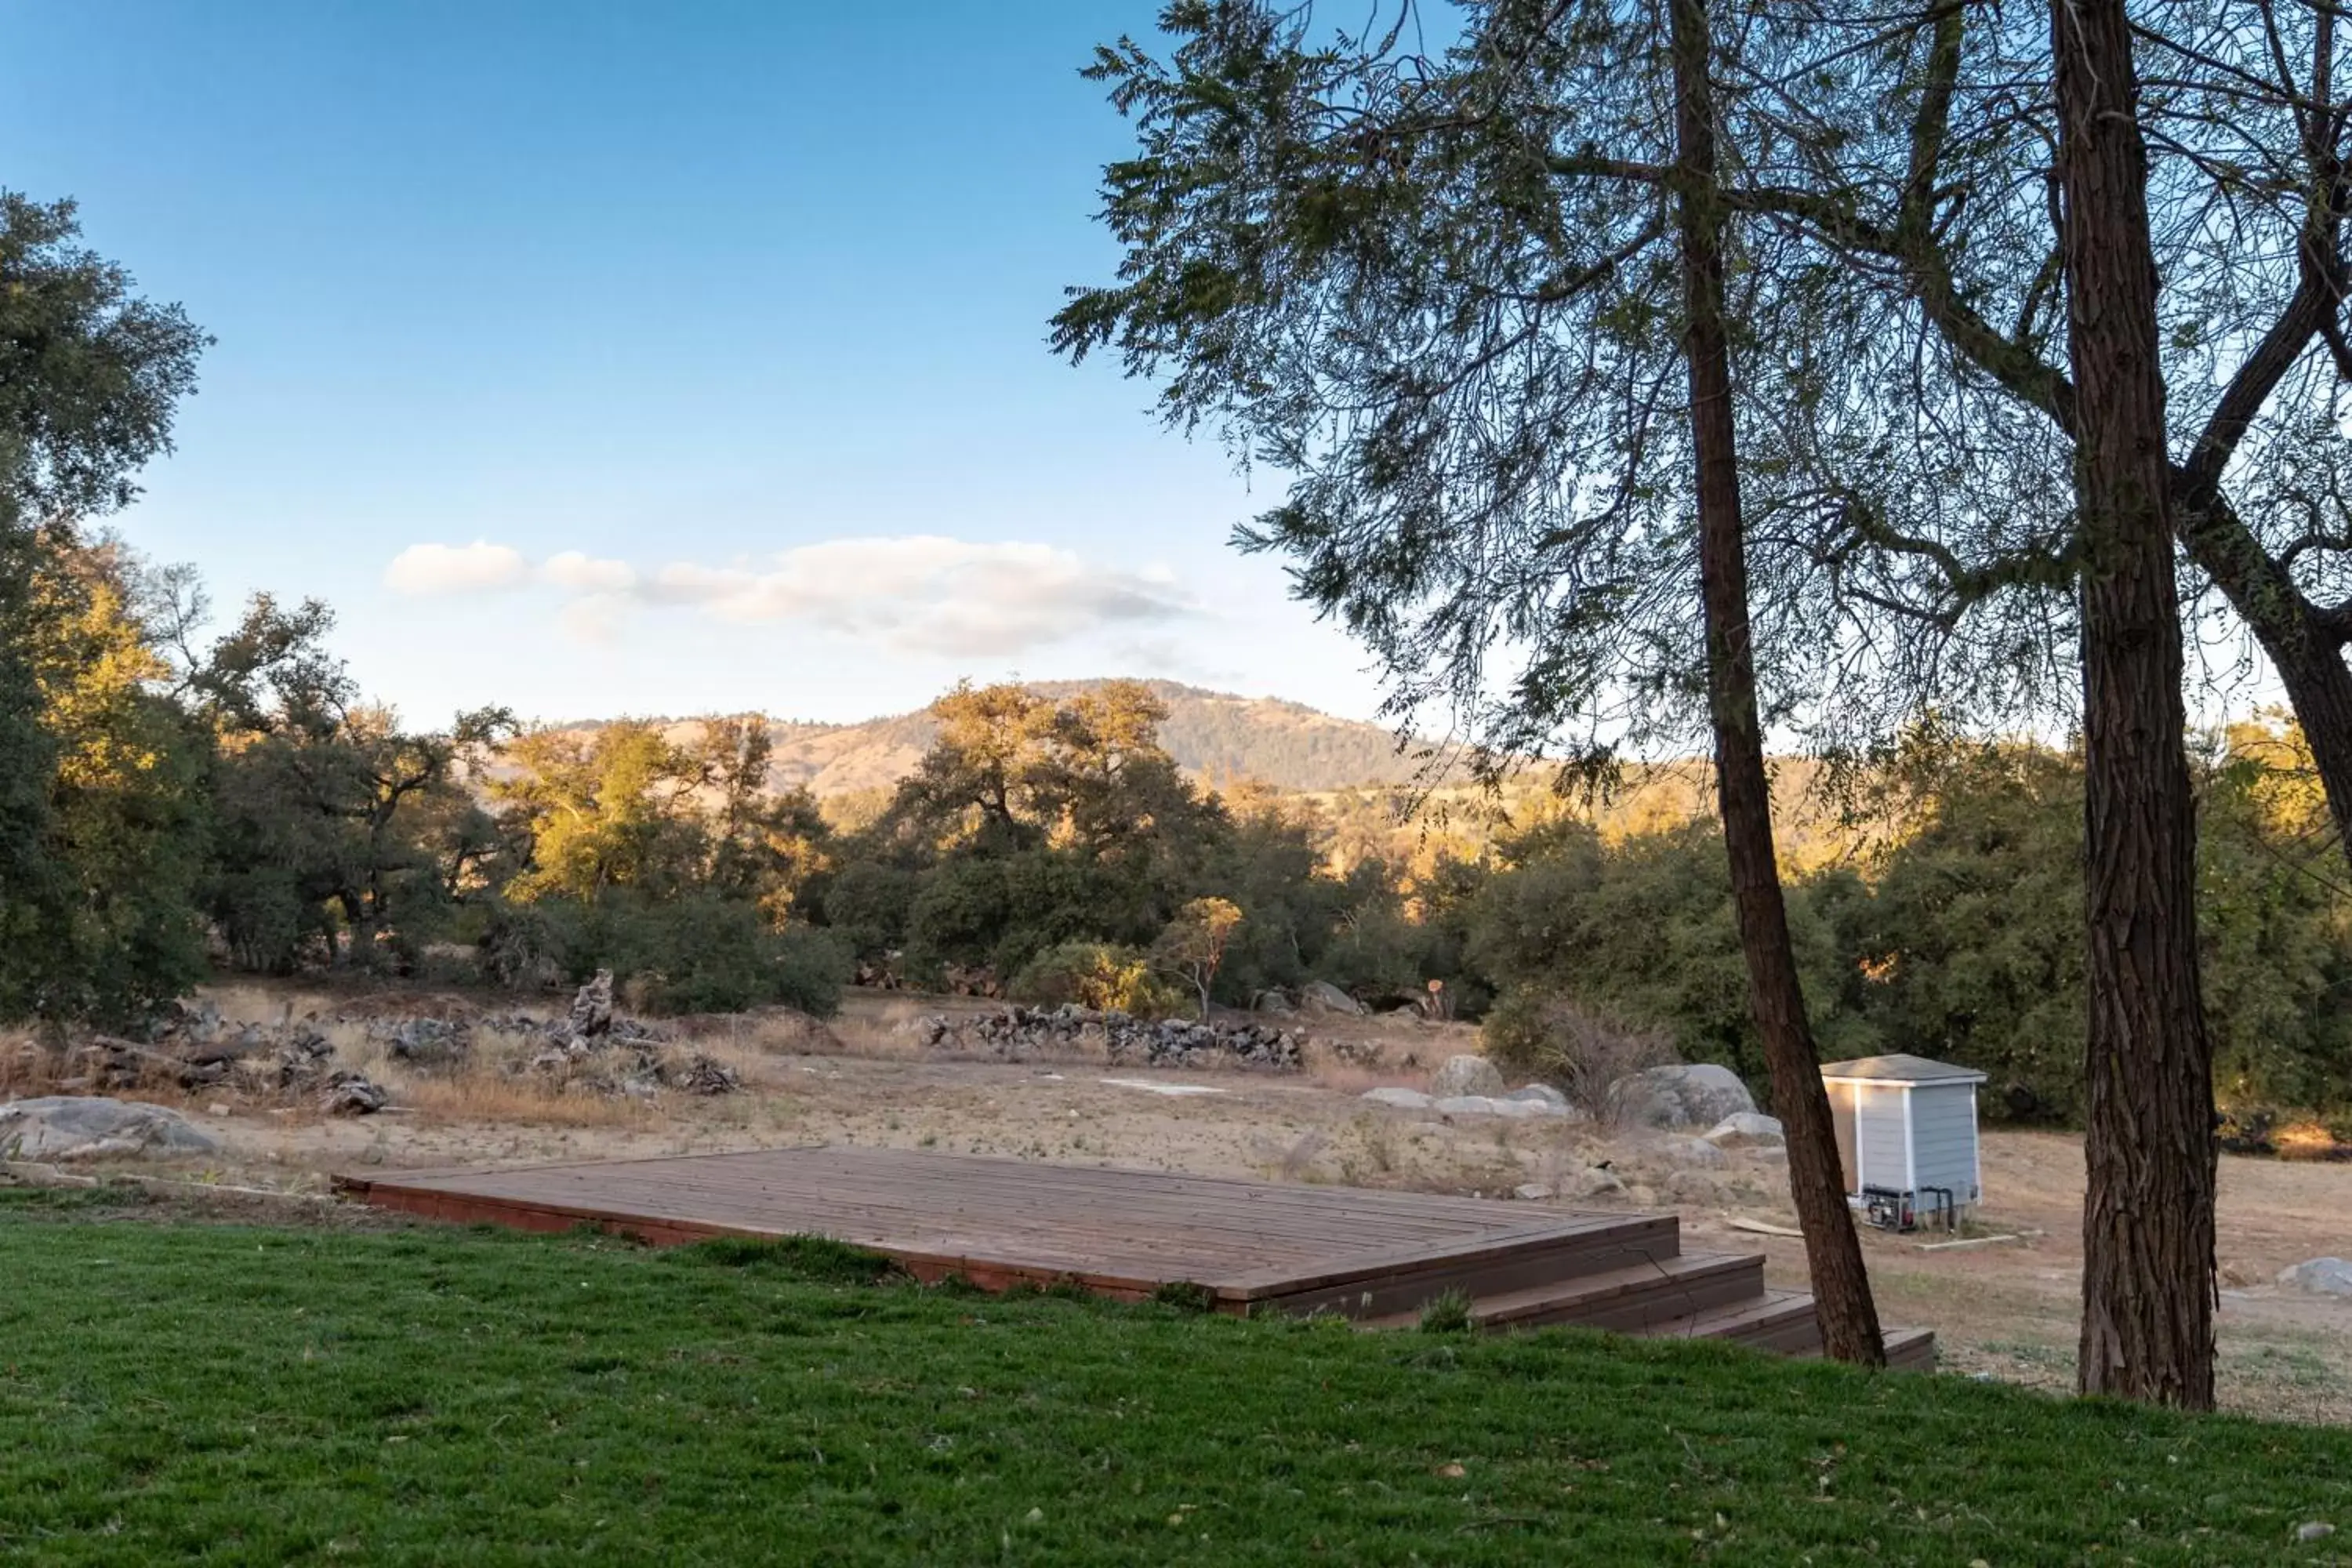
<point x="1849" y="1317"/>
<point x="2148" y="1276"/>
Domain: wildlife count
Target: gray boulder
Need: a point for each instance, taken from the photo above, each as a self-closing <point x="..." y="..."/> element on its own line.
<point x="2319" y="1276"/>
<point x="1592" y="1182"/>
<point x="1699" y="1094"/>
<point x="69" y="1128"/>
<point x="1466" y="1075"/>
<point x="1276" y="1002"/>
<point x="1747" y="1129"/>
<point x="1322" y="996"/>
<point x="1465" y="1105"/>
<point x="1542" y="1093"/>
<point x="1402" y="1099"/>
<point x="1696" y="1152"/>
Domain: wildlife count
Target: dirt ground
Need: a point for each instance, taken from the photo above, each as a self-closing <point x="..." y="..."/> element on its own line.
<point x="2004" y="1307"/>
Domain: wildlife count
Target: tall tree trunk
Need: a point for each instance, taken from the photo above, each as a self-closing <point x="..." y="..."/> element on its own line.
<point x="1849" y="1317"/>
<point x="2148" y="1215"/>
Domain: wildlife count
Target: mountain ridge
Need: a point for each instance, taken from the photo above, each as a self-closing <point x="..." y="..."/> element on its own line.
<point x="1219" y="738"/>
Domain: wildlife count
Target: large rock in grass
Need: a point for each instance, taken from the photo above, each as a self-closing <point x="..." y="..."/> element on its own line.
<point x="68" y="1127"/>
<point x="1466" y="1075"/>
<point x="2320" y="1277"/>
<point x="1699" y="1094"/>
<point x="1322" y="996"/>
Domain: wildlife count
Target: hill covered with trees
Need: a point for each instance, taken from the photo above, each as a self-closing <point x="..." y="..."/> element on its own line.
<point x="1213" y="736"/>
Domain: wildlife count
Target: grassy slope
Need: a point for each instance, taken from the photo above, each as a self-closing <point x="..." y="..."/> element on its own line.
<point x="265" y="1396"/>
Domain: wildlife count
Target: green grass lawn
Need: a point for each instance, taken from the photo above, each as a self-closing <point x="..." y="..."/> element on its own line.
<point x="174" y="1390"/>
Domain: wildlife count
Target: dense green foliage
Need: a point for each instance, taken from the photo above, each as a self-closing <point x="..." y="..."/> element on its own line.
<point x="1952" y="930"/>
<point x="429" y="1395"/>
<point x="93" y="835"/>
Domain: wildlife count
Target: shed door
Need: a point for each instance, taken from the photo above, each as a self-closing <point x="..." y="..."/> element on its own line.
<point x="1842" y="1117"/>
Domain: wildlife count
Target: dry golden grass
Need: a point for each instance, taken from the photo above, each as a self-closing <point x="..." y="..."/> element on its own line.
<point x="2308" y="1140"/>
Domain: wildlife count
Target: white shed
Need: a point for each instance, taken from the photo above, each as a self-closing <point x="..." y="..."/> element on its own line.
<point x="1906" y="1127"/>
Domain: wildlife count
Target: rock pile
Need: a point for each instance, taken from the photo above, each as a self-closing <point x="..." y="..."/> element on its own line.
<point x="597" y="1048"/>
<point x="205" y="1056"/>
<point x="350" y="1093"/>
<point x="1017" y="1033"/>
<point x="423" y="1042"/>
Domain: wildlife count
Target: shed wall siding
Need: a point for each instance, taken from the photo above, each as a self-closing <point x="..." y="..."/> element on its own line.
<point x="1878" y="1134"/>
<point x="1943" y="1138"/>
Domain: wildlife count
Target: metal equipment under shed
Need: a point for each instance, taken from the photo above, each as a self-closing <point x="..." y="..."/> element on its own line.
<point x="1906" y="1133"/>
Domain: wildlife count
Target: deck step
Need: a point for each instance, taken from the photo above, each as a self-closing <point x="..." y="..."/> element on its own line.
<point x="1625" y="1299"/>
<point x="1784" y="1321"/>
<point x="1779" y="1320"/>
<point x="1910" y="1349"/>
<point x="1396" y="1292"/>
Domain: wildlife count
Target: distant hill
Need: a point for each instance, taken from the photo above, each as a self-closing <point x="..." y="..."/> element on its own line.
<point x="1214" y="736"/>
<point x="1350" y="768"/>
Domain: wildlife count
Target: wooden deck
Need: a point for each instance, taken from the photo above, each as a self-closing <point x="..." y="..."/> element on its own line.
<point x="1377" y="1257"/>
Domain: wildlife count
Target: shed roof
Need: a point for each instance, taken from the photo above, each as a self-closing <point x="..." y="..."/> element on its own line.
<point x="1902" y="1067"/>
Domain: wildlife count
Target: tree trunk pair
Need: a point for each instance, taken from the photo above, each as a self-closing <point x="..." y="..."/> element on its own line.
<point x="2149" y="1229"/>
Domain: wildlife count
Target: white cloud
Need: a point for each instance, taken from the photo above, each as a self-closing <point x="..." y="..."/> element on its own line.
<point x="918" y="593"/>
<point x="474" y="568"/>
<point x="926" y="593"/>
<point x="587" y="574"/>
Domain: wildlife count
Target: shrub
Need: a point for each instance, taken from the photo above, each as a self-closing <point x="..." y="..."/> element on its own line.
<point x="1097" y="974"/>
<point x="703" y="953"/>
<point x="1562" y="1042"/>
<point x="811" y="968"/>
<point x="528" y="947"/>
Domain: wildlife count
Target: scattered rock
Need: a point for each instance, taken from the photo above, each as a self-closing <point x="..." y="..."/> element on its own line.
<point x="2314" y="1530"/>
<point x="1700" y="1094"/>
<point x="351" y="1094"/>
<point x="1747" y="1130"/>
<point x="702" y="1075"/>
<point x="425" y="1042"/>
<point x="1465" y="1075"/>
<point x="2319" y="1276"/>
<point x="1531" y="1191"/>
<point x="1015" y="1034"/>
<point x="1322" y="996"/>
<point x="1696" y="1152"/>
<point x="76" y="1128"/>
<point x="1402" y="1099"/>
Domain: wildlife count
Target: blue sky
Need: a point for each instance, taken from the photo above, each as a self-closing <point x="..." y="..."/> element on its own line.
<point x="606" y="358"/>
